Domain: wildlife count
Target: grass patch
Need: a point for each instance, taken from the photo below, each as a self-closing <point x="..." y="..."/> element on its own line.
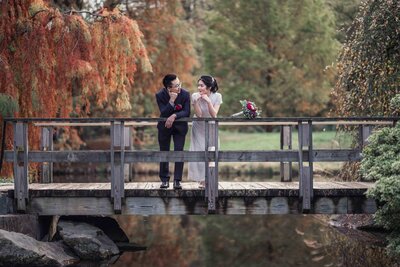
<point x="231" y="140"/>
<point x="4" y="180"/>
<point x="271" y="140"/>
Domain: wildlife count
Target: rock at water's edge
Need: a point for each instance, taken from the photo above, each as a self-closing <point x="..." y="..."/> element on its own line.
<point x="20" y="250"/>
<point x="87" y="241"/>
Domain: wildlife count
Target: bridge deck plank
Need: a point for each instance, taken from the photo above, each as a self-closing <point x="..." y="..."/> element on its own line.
<point x="190" y="189"/>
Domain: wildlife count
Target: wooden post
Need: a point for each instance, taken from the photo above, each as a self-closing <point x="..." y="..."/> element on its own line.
<point x="206" y="166"/>
<point x="286" y="143"/>
<point x="212" y="185"/>
<point x="128" y="145"/>
<point x="365" y="132"/>
<point x="210" y="168"/>
<point x="216" y="137"/>
<point x="47" y="145"/>
<point x="310" y="160"/>
<point x="305" y="173"/>
<point x="21" y="170"/>
<point x="301" y="169"/>
<point x="117" y="167"/>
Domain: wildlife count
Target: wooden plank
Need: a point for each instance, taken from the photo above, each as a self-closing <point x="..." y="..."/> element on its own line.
<point x="306" y="190"/>
<point x="128" y="175"/>
<point x="286" y="143"/>
<point x="16" y="167"/>
<point x="228" y="189"/>
<point x="253" y="189"/>
<point x="45" y="142"/>
<point x="211" y="192"/>
<point x="206" y="159"/>
<point x="24" y="177"/>
<point x="21" y="168"/>
<point x="222" y="184"/>
<point x="365" y="132"/>
<point x="319" y="155"/>
<point x="258" y="156"/>
<point x="130" y="186"/>
<point x="233" y="189"/>
<point x="112" y="158"/>
<point x="122" y="161"/>
<point x="300" y="151"/>
<point x="286" y="137"/>
<point x="336" y="155"/>
<point x="117" y="166"/>
<point x="47" y="145"/>
<point x="222" y="121"/>
<point x="306" y="134"/>
<point x="310" y="158"/>
<point x="117" y="134"/>
<point x="179" y="206"/>
<point x="216" y="160"/>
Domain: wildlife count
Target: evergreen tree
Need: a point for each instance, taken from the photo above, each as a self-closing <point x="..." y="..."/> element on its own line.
<point x="274" y="52"/>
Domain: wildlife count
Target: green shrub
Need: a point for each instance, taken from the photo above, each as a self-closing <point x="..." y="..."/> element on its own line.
<point x="395" y="103"/>
<point x="381" y="163"/>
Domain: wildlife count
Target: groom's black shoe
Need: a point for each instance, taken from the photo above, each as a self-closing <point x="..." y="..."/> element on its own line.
<point x="177" y="184"/>
<point x="164" y="184"/>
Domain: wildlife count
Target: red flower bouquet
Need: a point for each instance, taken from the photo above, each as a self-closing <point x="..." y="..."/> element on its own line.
<point x="249" y="110"/>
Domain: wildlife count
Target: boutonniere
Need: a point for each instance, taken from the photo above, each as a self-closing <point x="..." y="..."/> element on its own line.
<point x="178" y="107"/>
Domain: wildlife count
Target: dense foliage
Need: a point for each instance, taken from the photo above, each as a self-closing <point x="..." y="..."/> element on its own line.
<point x="49" y="58"/>
<point x="170" y="41"/>
<point x="55" y="64"/>
<point x="381" y="163"/>
<point x="369" y="69"/>
<point x="273" y="51"/>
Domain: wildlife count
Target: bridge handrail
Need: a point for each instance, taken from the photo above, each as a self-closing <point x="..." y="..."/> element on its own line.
<point x="119" y="156"/>
<point x="339" y="120"/>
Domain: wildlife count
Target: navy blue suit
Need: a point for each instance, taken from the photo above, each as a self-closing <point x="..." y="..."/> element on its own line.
<point x="178" y="130"/>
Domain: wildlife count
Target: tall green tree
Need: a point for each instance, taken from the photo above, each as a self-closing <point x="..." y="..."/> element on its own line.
<point x="345" y="13"/>
<point x="274" y="52"/>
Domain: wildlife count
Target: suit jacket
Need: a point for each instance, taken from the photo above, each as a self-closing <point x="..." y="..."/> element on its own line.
<point x="181" y="109"/>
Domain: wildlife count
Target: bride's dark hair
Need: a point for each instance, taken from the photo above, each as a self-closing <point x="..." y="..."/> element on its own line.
<point x="210" y="82"/>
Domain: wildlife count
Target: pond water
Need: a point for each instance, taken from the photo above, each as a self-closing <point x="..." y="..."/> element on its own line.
<point x="273" y="240"/>
<point x="242" y="240"/>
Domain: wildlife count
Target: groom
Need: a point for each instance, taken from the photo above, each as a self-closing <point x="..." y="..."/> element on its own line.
<point x="173" y="103"/>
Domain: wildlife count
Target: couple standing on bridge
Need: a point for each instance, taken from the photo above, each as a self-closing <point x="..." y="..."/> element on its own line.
<point x="174" y="103"/>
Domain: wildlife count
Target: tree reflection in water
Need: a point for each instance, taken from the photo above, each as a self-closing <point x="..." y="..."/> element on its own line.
<point x="273" y="240"/>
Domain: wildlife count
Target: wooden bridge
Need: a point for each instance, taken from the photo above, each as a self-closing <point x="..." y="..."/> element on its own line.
<point x="121" y="197"/>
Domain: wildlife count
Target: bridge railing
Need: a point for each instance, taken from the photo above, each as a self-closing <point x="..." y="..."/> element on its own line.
<point x="121" y="153"/>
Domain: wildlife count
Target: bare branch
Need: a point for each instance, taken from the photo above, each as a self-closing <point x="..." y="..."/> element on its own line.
<point x="37" y="12"/>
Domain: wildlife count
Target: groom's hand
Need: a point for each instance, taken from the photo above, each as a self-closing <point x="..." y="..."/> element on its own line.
<point x="170" y="121"/>
<point x="173" y="94"/>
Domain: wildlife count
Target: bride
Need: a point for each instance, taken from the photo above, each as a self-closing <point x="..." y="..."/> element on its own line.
<point x="206" y="103"/>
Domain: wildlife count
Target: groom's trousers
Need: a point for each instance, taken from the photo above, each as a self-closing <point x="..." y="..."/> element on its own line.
<point x="178" y="134"/>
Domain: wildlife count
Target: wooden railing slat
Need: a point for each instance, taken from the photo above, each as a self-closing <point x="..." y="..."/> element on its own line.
<point x="320" y="155"/>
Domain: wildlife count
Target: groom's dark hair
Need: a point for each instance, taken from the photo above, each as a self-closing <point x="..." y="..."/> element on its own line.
<point x="168" y="79"/>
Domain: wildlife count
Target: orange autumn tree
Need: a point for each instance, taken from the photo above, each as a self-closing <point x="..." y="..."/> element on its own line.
<point x="56" y="64"/>
<point x="170" y="41"/>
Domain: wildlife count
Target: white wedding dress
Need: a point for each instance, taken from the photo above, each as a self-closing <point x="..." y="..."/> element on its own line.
<point x="196" y="170"/>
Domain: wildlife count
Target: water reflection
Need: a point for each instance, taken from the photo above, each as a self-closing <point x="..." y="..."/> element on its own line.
<point x="148" y="172"/>
<point x="273" y="240"/>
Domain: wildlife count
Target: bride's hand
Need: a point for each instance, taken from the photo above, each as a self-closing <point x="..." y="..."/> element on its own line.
<point x="206" y="98"/>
